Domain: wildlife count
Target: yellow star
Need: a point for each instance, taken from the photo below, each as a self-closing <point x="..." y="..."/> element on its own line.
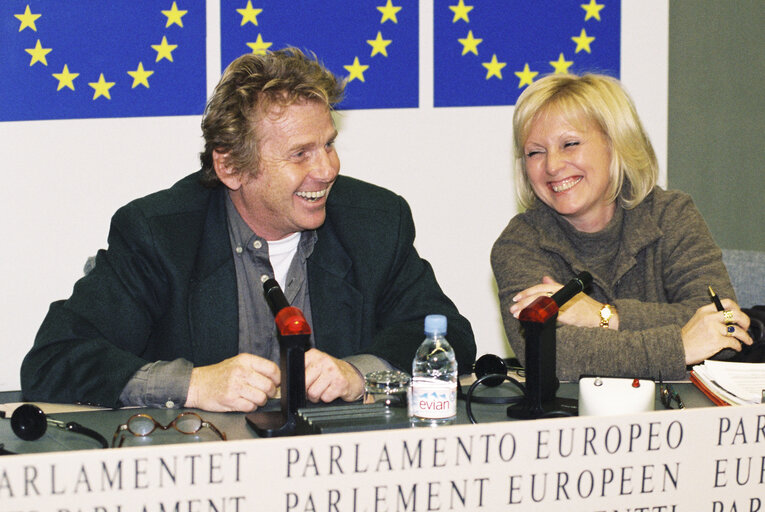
<point x="259" y="47"/>
<point x="27" y="19"/>
<point x="494" y="68"/>
<point x="388" y="13"/>
<point x="101" y="87"/>
<point x="561" y="65"/>
<point x="526" y="76"/>
<point x="379" y="45"/>
<point x="38" y="53"/>
<point x="461" y="12"/>
<point x="65" y="78"/>
<point x="249" y="14"/>
<point x="592" y="9"/>
<point x="356" y="70"/>
<point x="583" y="42"/>
<point x="174" y="16"/>
<point x="470" y="44"/>
<point x="140" y="76"/>
<point x="164" y="50"/>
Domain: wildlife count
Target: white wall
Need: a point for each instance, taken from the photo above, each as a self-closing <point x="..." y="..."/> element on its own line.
<point x="62" y="180"/>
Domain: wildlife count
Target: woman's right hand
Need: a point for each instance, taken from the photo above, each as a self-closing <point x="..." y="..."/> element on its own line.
<point x="707" y="332"/>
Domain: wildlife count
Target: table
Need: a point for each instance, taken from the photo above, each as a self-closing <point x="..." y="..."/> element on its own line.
<point x="698" y="458"/>
<point x="235" y="427"/>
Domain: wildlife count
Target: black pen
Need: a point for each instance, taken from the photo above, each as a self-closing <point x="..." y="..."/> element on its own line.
<point x="715" y="299"/>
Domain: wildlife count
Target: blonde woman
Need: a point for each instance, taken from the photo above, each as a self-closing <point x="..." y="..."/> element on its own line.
<point x="586" y="175"/>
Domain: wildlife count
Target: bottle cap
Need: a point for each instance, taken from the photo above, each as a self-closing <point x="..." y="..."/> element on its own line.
<point x="435" y="324"/>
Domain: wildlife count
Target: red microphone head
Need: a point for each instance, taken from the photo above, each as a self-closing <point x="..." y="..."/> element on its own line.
<point x="290" y="322"/>
<point x="540" y="311"/>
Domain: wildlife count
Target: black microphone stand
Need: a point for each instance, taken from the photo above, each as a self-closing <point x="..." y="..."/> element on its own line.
<point x="294" y="340"/>
<point x="538" y="321"/>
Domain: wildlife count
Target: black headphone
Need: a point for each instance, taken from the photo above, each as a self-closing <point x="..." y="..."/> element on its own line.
<point x="29" y="423"/>
<point x="491" y="371"/>
<point x="489" y="364"/>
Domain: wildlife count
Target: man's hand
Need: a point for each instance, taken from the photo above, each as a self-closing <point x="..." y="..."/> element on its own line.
<point x="241" y="383"/>
<point x="327" y="378"/>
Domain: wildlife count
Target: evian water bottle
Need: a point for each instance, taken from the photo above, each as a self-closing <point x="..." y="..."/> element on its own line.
<point x="433" y="389"/>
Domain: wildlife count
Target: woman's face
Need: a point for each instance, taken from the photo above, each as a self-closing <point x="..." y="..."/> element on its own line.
<point x="568" y="169"/>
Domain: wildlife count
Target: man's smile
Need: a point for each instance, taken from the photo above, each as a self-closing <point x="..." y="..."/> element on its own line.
<point x="312" y="196"/>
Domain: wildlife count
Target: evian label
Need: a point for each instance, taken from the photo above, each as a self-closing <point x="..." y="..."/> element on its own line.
<point x="433" y="398"/>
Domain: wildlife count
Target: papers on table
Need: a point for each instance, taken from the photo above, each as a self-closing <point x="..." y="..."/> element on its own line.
<point x="728" y="383"/>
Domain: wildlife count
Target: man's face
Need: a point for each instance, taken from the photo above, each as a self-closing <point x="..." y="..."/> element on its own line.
<point x="298" y="165"/>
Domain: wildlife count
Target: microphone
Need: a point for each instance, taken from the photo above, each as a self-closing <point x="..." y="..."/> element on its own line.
<point x="538" y="324"/>
<point x="576" y="285"/>
<point x="294" y="340"/>
<point x="543" y="308"/>
<point x="289" y="319"/>
<point x="274" y="296"/>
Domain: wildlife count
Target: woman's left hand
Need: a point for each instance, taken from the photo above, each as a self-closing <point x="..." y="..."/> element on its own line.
<point x="709" y="331"/>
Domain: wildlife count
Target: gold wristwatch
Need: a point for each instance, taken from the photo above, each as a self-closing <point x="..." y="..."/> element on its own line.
<point x="606" y="312"/>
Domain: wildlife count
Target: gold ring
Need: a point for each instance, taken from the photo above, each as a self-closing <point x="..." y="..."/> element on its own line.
<point x="549" y="294"/>
<point x="728" y="316"/>
<point x="730" y="330"/>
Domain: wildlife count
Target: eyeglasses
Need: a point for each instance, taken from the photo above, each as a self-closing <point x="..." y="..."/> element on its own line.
<point x="667" y="395"/>
<point x="142" y="425"/>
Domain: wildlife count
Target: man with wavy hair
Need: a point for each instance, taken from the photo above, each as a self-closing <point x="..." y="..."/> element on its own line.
<point x="173" y="312"/>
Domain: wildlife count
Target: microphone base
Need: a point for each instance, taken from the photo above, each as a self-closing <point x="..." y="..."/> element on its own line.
<point x="526" y="410"/>
<point x="271" y="423"/>
<point x="292" y="365"/>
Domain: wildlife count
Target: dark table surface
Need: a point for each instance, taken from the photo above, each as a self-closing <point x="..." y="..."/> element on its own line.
<point x="106" y="422"/>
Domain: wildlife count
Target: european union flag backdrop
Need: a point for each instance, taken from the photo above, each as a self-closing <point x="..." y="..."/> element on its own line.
<point x="486" y="52"/>
<point x="109" y="58"/>
<point x="374" y="44"/>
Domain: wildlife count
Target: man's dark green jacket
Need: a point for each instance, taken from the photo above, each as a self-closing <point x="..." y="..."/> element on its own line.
<point x="166" y="288"/>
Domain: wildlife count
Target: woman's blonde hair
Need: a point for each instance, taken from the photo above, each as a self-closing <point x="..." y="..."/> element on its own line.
<point x="590" y="98"/>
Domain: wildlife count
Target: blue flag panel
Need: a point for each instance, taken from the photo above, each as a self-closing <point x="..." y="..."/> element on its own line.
<point x="109" y="58"/>
<point x="373" y="44"/>
<point x="486" y="52"/>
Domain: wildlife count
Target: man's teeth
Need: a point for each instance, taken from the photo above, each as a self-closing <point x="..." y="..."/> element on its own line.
<point x="312" y="196"/>
<point x="566" y="184"/>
